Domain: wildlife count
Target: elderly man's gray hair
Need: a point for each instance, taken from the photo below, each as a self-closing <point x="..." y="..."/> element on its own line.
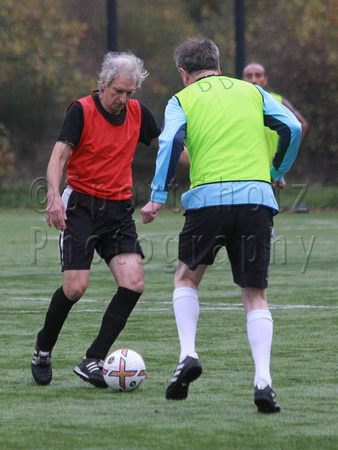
<point x="114" y="63"/>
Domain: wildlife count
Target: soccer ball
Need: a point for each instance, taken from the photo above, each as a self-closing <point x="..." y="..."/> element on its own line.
<point x="124" y="370"/>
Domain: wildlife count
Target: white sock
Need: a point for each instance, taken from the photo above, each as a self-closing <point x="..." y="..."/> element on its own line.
<point x="260" y="331"/>
<point x="186" y="308"/>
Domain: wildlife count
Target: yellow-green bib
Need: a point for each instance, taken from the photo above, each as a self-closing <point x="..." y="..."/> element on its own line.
<point x="225" y="131"/>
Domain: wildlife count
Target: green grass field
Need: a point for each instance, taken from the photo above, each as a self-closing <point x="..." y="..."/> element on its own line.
<point x="219" y="412"/>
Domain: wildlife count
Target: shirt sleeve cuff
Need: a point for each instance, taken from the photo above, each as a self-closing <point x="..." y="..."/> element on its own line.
<point x="276" y="175"/>
<point x="158" y="196"/>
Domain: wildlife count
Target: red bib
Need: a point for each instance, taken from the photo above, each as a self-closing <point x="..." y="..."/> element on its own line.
<point x="100" y="165"/>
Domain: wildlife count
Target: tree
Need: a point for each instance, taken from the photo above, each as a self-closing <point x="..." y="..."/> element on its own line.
<point x="39" y="68"/>
<point x="297" y="43"/>
<point x="51" y="51"/>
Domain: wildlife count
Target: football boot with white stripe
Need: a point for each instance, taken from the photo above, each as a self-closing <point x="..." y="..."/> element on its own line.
<point x="90" y="370"/>
<point x="265" y="400"/>
<point x="186" y="372"/>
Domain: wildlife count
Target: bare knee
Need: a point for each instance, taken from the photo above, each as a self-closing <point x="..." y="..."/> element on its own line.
<point x="127" y="269"/>
<point x="184" y="277"/>
<point x="75" y="284"/>
<point x="183" y="281"/>
<point x="135" y="283"/>
<point x="139" y="288"/>
<point x="74" y="293"/>
<point x="254" y="299"/>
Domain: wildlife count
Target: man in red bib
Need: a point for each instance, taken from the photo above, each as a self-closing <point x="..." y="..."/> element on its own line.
<point x="98" y="139"/>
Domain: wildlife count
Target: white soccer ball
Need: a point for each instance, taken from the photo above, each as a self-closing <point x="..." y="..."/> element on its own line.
<point x="124" y="370"/>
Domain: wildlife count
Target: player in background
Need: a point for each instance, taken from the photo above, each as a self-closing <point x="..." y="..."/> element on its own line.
<point x="230" y="202"/>
<point x="98" y="138"/>
<point x="255" y="73"/>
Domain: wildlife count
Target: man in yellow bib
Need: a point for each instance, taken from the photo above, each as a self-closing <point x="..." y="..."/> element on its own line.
<point x="230" y="203"/>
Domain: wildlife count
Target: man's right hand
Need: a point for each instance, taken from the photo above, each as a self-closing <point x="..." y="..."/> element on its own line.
<point x="149" y="211"/>
<point x="56" y="212"/>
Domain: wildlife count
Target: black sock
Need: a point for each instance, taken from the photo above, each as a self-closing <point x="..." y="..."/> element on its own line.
<point x="113" y="322"/>
<point x="57" y="313"/>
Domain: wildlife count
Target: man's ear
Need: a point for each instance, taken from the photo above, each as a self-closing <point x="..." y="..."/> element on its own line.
<point x="185" y="76"/>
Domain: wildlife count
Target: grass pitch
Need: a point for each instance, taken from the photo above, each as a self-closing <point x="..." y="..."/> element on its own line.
<point x="219" y="412"/>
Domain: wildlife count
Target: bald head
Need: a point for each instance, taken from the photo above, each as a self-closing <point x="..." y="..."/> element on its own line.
<point x="255" y="73"/>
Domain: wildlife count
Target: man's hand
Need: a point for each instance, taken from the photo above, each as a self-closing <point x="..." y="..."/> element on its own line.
<point x="277" y="185"/>
<point x="149" y="211"/>
<point x="56" y="213"/>
<point x="56" y="210"/>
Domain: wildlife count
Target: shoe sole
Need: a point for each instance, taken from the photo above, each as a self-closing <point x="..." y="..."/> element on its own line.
<point x="179" y="391"/>
<point x="94" y="382"/>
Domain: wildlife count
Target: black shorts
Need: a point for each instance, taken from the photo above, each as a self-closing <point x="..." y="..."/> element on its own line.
<point x="244" y="230"/>
<point x="95" y="224"/>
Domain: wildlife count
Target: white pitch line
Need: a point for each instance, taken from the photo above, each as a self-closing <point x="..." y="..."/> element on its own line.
<point x="141" y="306"/>
<point x="217" y="307"/>
<point x="203" y="305"/>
